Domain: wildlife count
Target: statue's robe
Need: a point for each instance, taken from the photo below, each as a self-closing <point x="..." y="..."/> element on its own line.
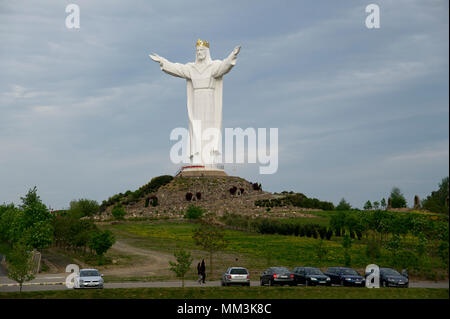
<point x="204" y="103"/>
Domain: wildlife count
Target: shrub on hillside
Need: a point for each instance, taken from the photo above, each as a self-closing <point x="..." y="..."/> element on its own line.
<point x="193" y="212"/>
<point x="118" y="212"/>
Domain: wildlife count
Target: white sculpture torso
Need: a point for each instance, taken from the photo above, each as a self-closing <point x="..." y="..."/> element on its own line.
<point x="204" y="101"/>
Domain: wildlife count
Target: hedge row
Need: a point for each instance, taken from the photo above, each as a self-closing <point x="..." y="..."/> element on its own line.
<point x="297" y="200"/>
<point x="275" y="226"/>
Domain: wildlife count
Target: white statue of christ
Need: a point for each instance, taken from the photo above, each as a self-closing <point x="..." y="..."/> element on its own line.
<point x="204" y="100"/>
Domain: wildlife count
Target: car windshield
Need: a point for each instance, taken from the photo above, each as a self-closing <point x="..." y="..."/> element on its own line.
<point x="281" y="269"/>
<point x="390" y="272"/>
<point x="349" y="272"/>
<point x="313" y="271"/>
<point x="238" y="271"/>
<point x="89" y="273"/>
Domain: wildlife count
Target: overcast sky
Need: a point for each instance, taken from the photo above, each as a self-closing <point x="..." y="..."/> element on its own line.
<point x="84" y="113"/>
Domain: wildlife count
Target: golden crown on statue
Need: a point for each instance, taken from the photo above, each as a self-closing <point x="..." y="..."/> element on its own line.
<point x="201" y="43"/>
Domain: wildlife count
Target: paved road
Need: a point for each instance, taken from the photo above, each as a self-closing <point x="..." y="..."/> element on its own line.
<point x="50" y="282"/>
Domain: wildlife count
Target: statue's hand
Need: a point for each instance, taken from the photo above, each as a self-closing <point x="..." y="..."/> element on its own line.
<point x="236" y="50"/>
<point x="156" y="58"/>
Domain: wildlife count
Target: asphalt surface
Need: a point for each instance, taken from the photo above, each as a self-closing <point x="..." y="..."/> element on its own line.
<point x="56" y="282"/>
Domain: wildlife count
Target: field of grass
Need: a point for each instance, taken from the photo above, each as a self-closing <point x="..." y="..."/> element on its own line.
<point x="252" y="250"/>
<point x="236" y="293"/>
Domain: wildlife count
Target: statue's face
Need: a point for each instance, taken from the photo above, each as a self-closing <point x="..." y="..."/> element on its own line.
<point x="201" y="53"/>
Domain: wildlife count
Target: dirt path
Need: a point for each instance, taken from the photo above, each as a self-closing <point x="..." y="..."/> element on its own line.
<point x="154" y="263"/>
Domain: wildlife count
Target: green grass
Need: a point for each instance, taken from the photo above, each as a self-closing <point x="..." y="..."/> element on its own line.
<point x="237" y="293"/>
<point x="254" y="251"/>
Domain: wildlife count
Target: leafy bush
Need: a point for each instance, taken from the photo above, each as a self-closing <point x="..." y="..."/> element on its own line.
<point x="118" y="212"/>
<point x="194" y="212"/>
<point x="296" y="200"/>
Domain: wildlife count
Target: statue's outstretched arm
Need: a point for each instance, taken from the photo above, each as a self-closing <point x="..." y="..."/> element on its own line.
<point x="226" y="65"/>
<point x="175" y="69"/>
<point x="155" y="57"/>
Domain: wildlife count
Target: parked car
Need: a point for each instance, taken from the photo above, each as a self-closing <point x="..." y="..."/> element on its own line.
<point x="392" y="278"/>
<point x="235" y="276"/>
<point x="89" y="278"/>
<point x="310" y="276"/>
<point x="277" y="276"/>
<point x="345" y="277"/>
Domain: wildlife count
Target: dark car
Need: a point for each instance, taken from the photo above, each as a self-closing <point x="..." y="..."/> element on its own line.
<point x="277" y="276"/>
<point x="310" y="276"/>
<point x="345" y="277"/>
<point x="392" y="278"/>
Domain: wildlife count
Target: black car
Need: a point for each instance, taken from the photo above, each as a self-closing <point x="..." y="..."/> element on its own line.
<point x="310" y="276"/>
<point x="392" y="278"/>
<point x="345" y="277"/>
<point x="277" y="276"/>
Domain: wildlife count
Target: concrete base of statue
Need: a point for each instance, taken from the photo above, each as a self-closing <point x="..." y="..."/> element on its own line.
<point x="201" y="170"/>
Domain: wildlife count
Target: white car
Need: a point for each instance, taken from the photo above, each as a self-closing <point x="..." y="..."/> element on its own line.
<point x="237" y="276"/>
<point x="89" y="278"/>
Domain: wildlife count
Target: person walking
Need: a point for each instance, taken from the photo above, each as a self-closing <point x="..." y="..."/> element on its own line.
<point x="199" y="272"/>
<point x="203" y="270"/>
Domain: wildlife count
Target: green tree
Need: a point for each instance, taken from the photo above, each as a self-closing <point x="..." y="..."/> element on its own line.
<point x="397" y="198"/>
<point x="383" y="203"/>
<point x="421" y="245"/>
<point x="368" y="205"/>
<point x="437" y="201"/>
<point x="393" y="245"/>
<point x="12" y="223"/>
<point x="182" y="264"/>
<point x="443" y="253"/>
<point x="321" y="250"/>
<point x="39" y="235"/>
<point x="101" y="242"/>
<point x="373" y="248"/>
<point x="211" y="239"/>
<point x="30" y="198"/>
<point x="347" y="244"/>
<point x="376" y="205"/>
<point x="20" y="264"/>
<point x="84" y="207"/>
<point x="37" y="221"/>
<point x="343" y="205"/>
<point x="118" y="212"/>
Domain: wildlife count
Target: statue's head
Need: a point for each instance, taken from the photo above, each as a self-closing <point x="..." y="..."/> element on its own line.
<point x="202" y="51"/>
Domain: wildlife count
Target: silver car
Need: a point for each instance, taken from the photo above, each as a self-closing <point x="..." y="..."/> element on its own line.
<point x="237" y="276"/>
<point x="89" y="278"/>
